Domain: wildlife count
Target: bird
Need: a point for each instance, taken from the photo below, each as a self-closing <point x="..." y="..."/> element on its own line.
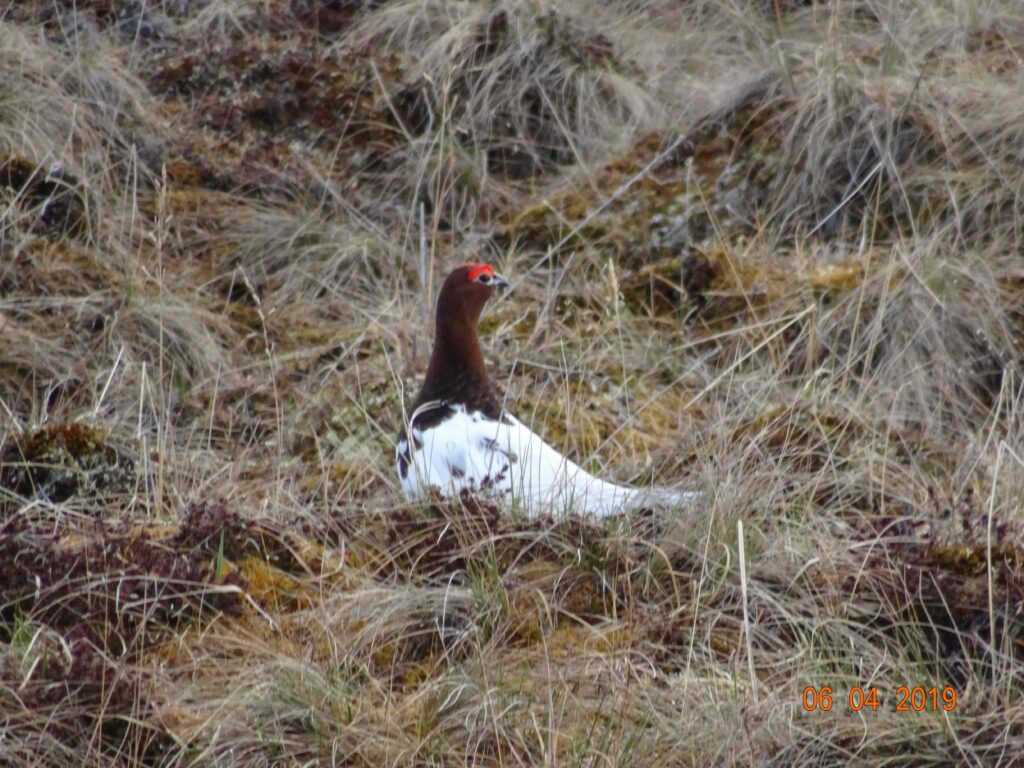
<point x="459" y="437"/>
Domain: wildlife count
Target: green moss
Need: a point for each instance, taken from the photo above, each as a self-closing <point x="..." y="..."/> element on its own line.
<point x="650" y="204"/>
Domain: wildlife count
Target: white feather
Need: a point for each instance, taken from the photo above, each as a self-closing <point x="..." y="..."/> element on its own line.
<point x="507" y="461"/>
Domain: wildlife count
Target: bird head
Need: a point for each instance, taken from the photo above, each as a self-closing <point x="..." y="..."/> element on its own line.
<point x="465" y="291"/>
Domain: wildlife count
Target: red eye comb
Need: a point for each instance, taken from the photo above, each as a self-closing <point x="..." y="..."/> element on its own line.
<point x="480" y="269"/>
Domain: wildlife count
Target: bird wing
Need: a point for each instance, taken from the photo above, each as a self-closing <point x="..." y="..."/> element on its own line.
<point x="543" y="480"/>
<point x="458" y="453"/>
<point x="506" y="459"/>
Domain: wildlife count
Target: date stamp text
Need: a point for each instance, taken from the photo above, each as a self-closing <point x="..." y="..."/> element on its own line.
<point x="908" y="699"/>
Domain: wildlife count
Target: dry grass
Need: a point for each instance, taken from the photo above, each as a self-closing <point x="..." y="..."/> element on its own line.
<point x="770" y="250"/>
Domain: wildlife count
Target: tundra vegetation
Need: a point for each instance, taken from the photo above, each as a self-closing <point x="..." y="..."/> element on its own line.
<point x="770" y="249"/>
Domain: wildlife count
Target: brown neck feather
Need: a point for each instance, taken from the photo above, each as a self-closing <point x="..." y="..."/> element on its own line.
<point x="456" y="372"/>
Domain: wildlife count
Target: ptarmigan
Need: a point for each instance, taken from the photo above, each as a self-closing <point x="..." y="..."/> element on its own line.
<point x="462" y="438"/>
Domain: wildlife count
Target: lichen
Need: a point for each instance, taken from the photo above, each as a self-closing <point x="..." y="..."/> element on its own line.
<point x="45" y="200"/>
<point x="65" y="461"/>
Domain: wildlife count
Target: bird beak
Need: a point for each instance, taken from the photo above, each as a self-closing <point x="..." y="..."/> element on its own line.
<point x="498" y="281"/>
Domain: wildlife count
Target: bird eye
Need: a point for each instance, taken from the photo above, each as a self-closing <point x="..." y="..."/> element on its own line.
<point x="484" y="278"/>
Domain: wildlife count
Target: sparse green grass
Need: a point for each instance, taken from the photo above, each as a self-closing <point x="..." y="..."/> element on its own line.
<point x="768" y="250"/>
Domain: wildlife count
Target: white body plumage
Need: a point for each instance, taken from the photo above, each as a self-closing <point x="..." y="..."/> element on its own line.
<point x="505" y="460"/>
